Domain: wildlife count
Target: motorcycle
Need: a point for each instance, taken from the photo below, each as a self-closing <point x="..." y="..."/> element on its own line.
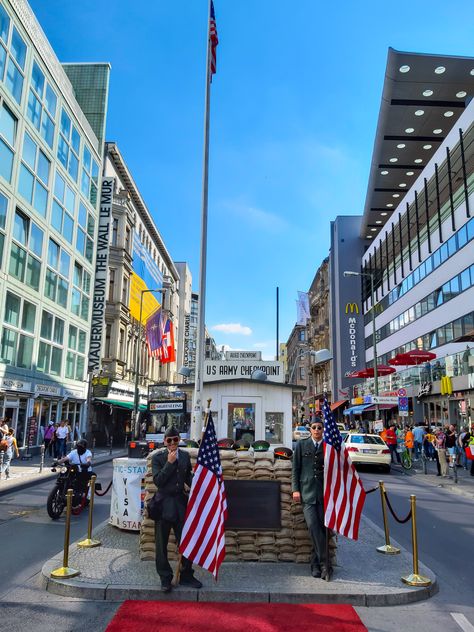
<point x="70" y="477"/>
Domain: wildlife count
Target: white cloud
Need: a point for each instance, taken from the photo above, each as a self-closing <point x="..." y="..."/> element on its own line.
<point x="233" y="328"/>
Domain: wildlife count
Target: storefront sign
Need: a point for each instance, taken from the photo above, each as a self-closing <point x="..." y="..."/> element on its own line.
<point x="16" y="385"/>
<point x="72" y="393"/>
<point x="32" y="431"/>
<point x="100" y="386"/>
<point x="167" y="406"/>
<point x="219" y="370"/>
<point x="243" y="355"/>
<point x="101" y="270"/>
<point x="380" y="399"/>
<point x="128" y="494"/>
<point x="47" y="389"/>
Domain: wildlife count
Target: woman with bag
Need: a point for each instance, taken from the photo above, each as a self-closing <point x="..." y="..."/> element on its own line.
<point x="7" y="457"/>
<point x="49" y="438"/>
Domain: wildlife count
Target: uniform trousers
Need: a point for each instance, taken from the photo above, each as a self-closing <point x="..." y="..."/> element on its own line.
<point x="162" y="534"/>
<point x="314" y="517"/>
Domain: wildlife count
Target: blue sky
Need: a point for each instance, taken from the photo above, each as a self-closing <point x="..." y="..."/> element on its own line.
<point x="294" y="109"/>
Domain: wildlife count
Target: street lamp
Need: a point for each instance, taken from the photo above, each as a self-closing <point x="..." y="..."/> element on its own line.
<point x="350" y="273"/>
<point x="136" y="400"/>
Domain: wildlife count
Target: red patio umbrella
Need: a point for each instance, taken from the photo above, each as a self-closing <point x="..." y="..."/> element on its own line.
<point x="382" y="369"/>
<point x="412" y="358"/>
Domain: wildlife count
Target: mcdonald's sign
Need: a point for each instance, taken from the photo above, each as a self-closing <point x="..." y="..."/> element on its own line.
<point x="352" y="307"/>
<point x="446" y="385"/>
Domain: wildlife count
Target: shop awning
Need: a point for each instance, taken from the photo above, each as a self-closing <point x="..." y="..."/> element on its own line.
<point x="120" y="403"/>
<point x="381" y="407"/>
<point x="356" y="410"/>
<point x="336" y="405"/>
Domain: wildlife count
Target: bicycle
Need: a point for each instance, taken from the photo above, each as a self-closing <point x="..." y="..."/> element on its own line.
<point x="406" y="459"/>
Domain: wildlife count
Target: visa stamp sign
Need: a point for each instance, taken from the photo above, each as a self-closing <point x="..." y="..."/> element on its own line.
<point x="221" y="370"/>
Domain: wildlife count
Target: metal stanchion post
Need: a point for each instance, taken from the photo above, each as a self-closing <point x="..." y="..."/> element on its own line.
<point x="387" y="548"/>
<point x="64" y="571"/>
<point x="89" y="542"/>
<point x="415" y="579"/>
<point x="42" y="458"/>
<point x="455" y="471"/>
<point x="110" y="444"/>
<point x="425" y="464"/>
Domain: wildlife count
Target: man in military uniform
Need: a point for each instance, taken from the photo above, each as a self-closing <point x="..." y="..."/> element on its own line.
<point x="308" y="488"/>
<point x="171" y="470"/>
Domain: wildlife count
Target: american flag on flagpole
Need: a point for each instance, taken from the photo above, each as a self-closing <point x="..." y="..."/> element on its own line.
<point x="344" y="493"/>
<point x="203" y="536"/>
<point x="154" y="333"/>
<point x="214" y="40"/>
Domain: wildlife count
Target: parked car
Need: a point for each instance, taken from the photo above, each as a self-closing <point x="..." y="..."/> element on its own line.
<point x="301" y="432"/>
<point x="368" y="449"/>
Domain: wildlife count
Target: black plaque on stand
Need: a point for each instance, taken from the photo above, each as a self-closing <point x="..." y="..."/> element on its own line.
<point x="253" y="505"/>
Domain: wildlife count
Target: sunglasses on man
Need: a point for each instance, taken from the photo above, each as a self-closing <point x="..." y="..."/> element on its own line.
<point x="170" y="440"/>
<point x="316" y="427"/>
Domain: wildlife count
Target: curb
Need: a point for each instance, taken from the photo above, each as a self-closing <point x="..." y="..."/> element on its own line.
<point x="119" y="592"/>
<point x="52" y="475"/>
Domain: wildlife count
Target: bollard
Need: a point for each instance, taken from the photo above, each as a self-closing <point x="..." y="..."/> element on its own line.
<point x="93" y="446"/>
<point x="2" y="456"/>
<point x="89" y="542"/>
<point x="425" y="465"/>
<point x="455" y="471"/>
<point x="64" y="571"/>
<point x="387" y="548"/>
<point x="110" y="444"/>
<point x="42" y="458"/>
<point x="415" y="579"/>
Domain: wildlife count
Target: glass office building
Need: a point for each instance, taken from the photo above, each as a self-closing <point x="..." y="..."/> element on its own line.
<point x="52" y="123"/>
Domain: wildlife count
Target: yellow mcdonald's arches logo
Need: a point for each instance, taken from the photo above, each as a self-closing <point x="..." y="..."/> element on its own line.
<point x="352" y="307"/>
<point x="446" y="385"/>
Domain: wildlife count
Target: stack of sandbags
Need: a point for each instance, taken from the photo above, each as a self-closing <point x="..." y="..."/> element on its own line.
<point x="266" y="545"/>
<point x="264" y="465"/>
<point x="232" y="551"/>
<point x="248" y="550"/>
<point x="228" y="463"/>
<point x="245" y="465"/>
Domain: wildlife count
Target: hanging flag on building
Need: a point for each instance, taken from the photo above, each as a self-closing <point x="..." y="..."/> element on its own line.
<point x="167" y="353"/>
<point x="203" y="536"/>
<point x="302" y="308"/>
<point x="344" y="493"/>
<point x="154" y="333"/>
<point x="214" y="40"/>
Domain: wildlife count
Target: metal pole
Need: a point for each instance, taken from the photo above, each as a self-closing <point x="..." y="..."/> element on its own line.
<point x="415" y="579"/>
<point x="89" y="543"/>
<point x="111" y="443"/>
<point x="137" y="370"/>
<point x="196" y="417"/>
<point x="374" y="344"/>
<point x="64" y="571"/>
<point x="42" y="459"/>
<point x="277" y="355"/>
<point x="387" y="548"/>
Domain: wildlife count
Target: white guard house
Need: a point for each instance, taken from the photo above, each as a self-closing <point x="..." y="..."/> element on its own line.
<point x="246" y="408"/>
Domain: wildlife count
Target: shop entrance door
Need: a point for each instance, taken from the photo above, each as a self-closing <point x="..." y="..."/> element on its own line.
<point x="243" y="416"/>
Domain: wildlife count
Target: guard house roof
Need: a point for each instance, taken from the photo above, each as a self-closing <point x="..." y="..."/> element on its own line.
<point x="423" y="97"/>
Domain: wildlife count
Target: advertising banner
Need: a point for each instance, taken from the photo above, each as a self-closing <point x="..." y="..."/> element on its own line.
<point x="128" y="494"/>
<point x="145" y="276"/>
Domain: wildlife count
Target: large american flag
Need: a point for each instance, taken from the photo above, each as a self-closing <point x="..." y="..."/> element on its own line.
<point x="154" y="333"/>
<point x="344" y="493"/>
<point x="213" y="40"/>
<point x="203" y="537"/>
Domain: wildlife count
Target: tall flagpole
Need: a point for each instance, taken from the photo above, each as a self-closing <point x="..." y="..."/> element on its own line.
<point x="196" y="417"/>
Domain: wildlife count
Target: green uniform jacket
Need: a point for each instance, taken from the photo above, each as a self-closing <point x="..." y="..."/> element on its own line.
<point x="170" y="479"/>
<point x="308" y="472"/>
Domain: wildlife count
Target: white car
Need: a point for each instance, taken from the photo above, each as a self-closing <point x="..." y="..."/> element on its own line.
<point x="368" y="449"/>
<point x="301" y="432"/>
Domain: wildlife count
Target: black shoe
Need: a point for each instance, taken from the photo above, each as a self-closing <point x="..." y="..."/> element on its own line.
<point x="326" y="573"/>
<point x="166" y="587"/>
<point x="316" y="572"/>
<point x="191" y="582"/>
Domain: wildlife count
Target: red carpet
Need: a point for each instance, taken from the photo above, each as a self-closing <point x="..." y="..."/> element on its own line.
<point x="186" y="616"/>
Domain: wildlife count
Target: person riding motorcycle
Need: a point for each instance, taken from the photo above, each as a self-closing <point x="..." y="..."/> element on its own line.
<point x="82" y="458"/>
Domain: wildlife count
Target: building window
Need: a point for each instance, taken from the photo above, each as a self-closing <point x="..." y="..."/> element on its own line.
<point x="127" y="239"/>
<point x="302" y="373"/>
<point x="68" y="146"/>
<point x="3" y="220"/>
<point x="115" y="223"/>
<point x="122" y="345"/>
<point x="85" y="233"/>
<point x="17" y="335"/>
<point x="56" y="285"/>
<point x="111" y="284"/>
<point x="33" y="180"/>
<point x="125" y="290"/>
<point x="8" y="127"/>
<point x="75" y="359"/>
<point x="42" y="103"/>
<point x="108" y="338"/>
<point x="50" y="352"/>
<point x="80" y="292"/>
<point x="90" y="176"/>
<point x="26" y="251"/>
<point x="12" y="64"/>
<point x="274" y="427"/>
<point x="62" y="212"/>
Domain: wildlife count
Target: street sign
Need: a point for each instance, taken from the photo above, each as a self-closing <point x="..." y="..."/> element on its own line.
<point x="402" y="392"/>
<point x="380" y="399"/>
<point x="403" y="406"/>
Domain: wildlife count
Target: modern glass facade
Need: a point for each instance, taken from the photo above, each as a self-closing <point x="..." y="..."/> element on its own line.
<point x="50" y="161"/>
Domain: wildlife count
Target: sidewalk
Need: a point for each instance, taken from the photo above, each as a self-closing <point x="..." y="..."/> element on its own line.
<point x="26" y="473"/>
<point x="364" y="577"/>
<point x="464" y="486"/>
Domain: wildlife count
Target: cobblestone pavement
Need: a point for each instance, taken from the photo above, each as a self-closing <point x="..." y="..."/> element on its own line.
<point x="114" y="571"/>
<point x="464" y="486"/>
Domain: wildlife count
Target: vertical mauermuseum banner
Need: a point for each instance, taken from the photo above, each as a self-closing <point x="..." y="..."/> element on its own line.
<point x="145" y="276"/>
<point x="101" y="271"/>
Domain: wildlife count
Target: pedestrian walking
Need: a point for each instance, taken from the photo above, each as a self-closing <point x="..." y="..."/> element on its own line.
<point x="62" y="433"/>
<point x="308" y="488"/>
<point x="441" y="452"/>
<point x="471" y="445"/>
<point x="463" y="441"/>
<point x="11" y="446"/>
<point x="409" y="440"/>
<point x="49" y="438"/>
<point x="451" y="438"/>
<point x="3" y="427"/>
<point x="391" y="442"/>
<point x="419" y="434"/>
